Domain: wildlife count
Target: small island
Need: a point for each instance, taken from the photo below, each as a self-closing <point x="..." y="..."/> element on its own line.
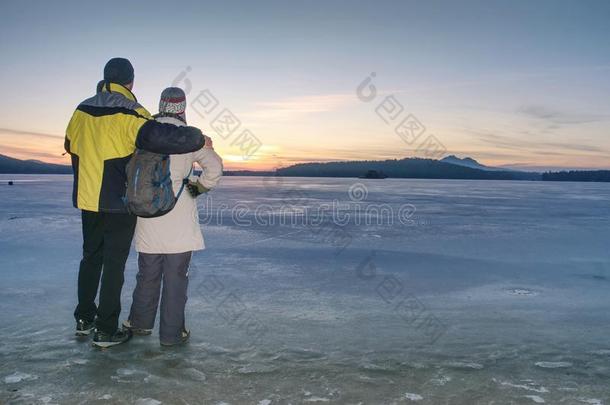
<point x="373" y="174"/>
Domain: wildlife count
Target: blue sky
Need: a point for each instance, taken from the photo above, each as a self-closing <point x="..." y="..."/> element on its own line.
<point x="521" y="83"/>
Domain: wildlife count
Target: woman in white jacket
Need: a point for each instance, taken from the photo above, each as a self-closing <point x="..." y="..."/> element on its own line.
<point x="165" y="244"/>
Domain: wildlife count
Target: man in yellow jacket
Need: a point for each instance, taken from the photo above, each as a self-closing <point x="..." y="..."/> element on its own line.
<point x="101" y="137"/>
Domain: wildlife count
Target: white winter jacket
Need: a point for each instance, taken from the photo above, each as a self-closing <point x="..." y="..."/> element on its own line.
<point x="178" y="231"/>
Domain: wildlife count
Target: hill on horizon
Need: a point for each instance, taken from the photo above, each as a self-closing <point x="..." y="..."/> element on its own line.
<point x="10" y="165"/>
<point x="473" y="164"/>
<point x="406" y="168"/>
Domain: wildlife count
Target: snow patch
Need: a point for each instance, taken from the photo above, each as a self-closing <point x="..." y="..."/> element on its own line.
<point x="553" y="364"/>
<point x="147" y="401"/>
<point x="255" y="368"/>
<point x="535" y="398"/>
<point x="18" y="377"/>
<point x="464" y="364"/>
<point x="591" y="401"/>
<point x="524" y="292"/>
<point x="195" y="374"/>
<point x="528" y="386"/>
<point x="440" y="380"/>
<point x="413" y="397"/>
<point x="129" y="375"/>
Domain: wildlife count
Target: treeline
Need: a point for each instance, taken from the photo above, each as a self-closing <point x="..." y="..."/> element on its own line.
<point x="578" y="175"/>
<point x="403" y="168"/>
<point x="248" y="173"/>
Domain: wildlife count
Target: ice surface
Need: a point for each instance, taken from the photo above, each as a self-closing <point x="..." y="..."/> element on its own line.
<point x="494" y="291"/>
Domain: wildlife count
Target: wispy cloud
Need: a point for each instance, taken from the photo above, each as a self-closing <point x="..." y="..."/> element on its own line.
<point x="304" y="155"/>
<point x="513" y="143"/>
<point x="532" y="166"/>
<point x="11" y="131"/>
<point x="505" y="77"/>
<point x="26" y="153"/>
<point x="292" y="107"/>
<point x="574" y="147"/>
<point x="557" y="117"/>
<point x="32" y="145"/>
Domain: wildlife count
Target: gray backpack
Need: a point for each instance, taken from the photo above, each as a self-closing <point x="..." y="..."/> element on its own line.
<point x="149" y="190"/>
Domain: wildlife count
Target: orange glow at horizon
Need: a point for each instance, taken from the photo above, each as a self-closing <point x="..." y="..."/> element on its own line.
<point x="323" y="148"/>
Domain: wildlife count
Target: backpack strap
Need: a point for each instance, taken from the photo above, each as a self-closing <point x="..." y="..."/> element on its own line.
<point x="184" y="183"/>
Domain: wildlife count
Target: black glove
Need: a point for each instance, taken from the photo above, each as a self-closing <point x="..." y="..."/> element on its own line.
<point x="195" y="188"/>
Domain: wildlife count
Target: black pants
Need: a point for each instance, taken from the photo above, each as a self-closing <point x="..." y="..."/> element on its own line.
<point x="106" y="244"/>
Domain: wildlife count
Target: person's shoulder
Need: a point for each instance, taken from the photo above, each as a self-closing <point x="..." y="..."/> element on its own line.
<point x="113" y="101"/>
<point x="93" y="100"/>
<point x="142" y="111"/>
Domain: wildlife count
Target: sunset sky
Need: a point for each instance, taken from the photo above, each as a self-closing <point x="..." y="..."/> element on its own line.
<point x="519" y="83"/>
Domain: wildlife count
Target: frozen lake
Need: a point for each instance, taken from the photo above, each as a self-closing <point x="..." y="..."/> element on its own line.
<point x="344" y="291"/>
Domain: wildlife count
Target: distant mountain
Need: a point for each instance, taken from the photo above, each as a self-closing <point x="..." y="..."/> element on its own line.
<point x="17" y="166"/>
<point x="404" y="168"/>
<point x="470" y="162"/>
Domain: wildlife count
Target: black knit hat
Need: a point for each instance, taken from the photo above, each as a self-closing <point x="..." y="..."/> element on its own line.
<point x="118" y="70"/>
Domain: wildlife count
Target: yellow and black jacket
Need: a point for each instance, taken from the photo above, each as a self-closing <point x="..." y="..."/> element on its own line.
<point x="101" y="137"/>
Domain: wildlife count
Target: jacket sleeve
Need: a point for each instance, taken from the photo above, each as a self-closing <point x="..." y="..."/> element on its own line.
<point x="67" y="144"/>
<point x="158" y="137"/>
<point x="69" y="132"/>
<point x="211" y="164"/>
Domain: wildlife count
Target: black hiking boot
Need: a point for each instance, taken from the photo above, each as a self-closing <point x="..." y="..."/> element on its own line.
<point x="84" y="328"/>
<point x="103" y="340"/>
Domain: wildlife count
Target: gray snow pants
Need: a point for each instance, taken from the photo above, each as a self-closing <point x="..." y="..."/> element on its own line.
<point x="172" y="269"/>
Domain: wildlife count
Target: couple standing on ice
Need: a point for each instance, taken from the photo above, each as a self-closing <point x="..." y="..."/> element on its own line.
<point x="101" y="138"/>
